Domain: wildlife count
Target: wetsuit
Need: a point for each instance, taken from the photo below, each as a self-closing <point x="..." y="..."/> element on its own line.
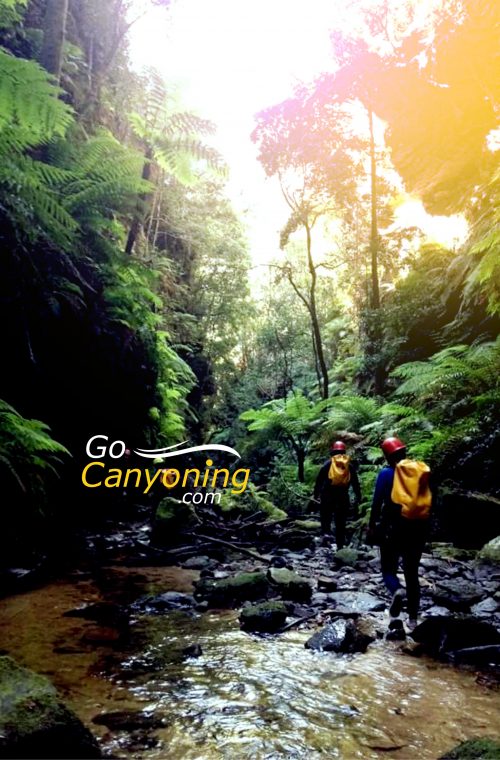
<point x="334" y="501"/>
<point x="399" y="538"/>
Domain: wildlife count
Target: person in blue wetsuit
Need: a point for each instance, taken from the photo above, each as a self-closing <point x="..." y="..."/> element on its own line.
<point x="397" y="537"/>
<point x="334" y="499"/>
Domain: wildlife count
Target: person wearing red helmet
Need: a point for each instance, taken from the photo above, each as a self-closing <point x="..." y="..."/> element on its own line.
<point x="398" y="537"/>
<point x="331" y="489"/>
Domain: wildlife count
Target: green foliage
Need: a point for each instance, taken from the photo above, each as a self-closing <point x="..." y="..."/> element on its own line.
<point x="29" y="454"/>
<point x="293" y="418"/>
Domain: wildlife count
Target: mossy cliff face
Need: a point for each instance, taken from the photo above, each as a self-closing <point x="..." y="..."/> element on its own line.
<point x="33" y="721"/>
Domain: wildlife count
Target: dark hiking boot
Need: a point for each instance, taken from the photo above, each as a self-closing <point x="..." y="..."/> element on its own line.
<point x="396" y="631"/>
<point x="397" y="603"/>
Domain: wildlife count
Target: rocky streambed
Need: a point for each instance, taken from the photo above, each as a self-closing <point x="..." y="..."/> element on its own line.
<point x="292" y="657"/>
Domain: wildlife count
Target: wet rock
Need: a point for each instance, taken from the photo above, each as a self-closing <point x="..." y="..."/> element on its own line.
<point x="484" y="655"/>
<point x="474" y="749"/>
<point x="341" y="635"/>
<point x="278" y="562"/>
<point x="437" y="611"/>
<point x="354" y="603"/>
<point x="34" y="722"/>
<point x="267" y="617"/>
<point x="193" y="650"/>
<point x="158" y="605"/>
<point x="199" y="563"/>
<point x="229" y="592"/>
<point x="485" y="608"/>
<point x="105" y="613"/>
<point x="289" y="584"/>
<point x="296" y="539"/>
<point x="457" y="594"/>
<point x="128" y="720"/>
<point x="491" y="550"/>
<point x="326" y="584"/>
<point x="440" y="635"/>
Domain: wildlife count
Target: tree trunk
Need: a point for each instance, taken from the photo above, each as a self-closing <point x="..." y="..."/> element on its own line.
<point x="314" y="317"/>
<point x="301" y="457"/>
<point x="375" y="332"/>
<point x="54" y="36"/>
<point x="137" y="220"/>
<point x="374" y="238"/>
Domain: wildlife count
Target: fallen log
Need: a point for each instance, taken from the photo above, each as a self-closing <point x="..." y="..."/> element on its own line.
<point x="235" y="548"/>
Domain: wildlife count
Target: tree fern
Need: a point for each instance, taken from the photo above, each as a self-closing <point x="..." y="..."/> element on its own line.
<point x="28" y="453"/>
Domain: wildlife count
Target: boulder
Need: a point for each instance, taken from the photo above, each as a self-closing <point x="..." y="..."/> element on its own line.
<point x="290" y="585"/>
<point x="267" y="617"/>
<point x="491" y="550"/>
<point x="229" y="592"/>
<point x="33" y="720"/>
<point x="341" y="635"/>
<point x="474" y="749"/>
<point x="157" y="605"/>
<point x="457" y="594"/>
<point x="193" y="650"/>
<point x="484" y="655"/>
<point x="441" y="635"/>
<point x="354" y="603"/>
<point x="347" y="556"/>
<point x="485" y="608"/>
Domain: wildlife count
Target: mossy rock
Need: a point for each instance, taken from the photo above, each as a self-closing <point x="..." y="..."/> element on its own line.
<point x="267" y="617"/>
<point x="474" y="749"/>
<point x="313" y="525"/>
<point x="491" y="550"/>
<point x="289" y="584"/>
<point x="229" y="592"/>
<point x="449" y="551"/>
<point x="34" y="722"/>
<point x="171" y="519"/>
<point x="347" y="556"/>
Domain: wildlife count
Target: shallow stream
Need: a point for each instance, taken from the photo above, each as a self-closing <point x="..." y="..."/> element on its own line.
<point x="246" y="696"/>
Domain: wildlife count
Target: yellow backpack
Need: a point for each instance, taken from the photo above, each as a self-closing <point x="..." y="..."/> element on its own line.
<point x="339" y="473"/>
<point x="411" y="489"/>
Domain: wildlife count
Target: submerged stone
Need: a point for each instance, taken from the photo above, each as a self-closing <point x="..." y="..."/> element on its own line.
<point x="157" y="605"/>
<point x="267" y="617"/>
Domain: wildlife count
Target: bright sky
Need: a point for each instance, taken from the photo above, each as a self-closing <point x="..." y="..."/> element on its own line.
<point x="230" y="59"/>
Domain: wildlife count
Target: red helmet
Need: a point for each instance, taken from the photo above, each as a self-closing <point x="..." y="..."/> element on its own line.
<point x="391" y="445"/>
<point x="338" y="446"/>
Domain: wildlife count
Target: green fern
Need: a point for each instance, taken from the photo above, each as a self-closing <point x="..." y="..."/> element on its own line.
<point x="28" y="453"/>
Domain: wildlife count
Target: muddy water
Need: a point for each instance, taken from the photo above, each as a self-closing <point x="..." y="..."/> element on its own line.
<point x="246" y="697"/>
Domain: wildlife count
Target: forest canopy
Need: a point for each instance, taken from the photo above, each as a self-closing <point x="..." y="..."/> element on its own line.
<point x="128" y="295"/>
